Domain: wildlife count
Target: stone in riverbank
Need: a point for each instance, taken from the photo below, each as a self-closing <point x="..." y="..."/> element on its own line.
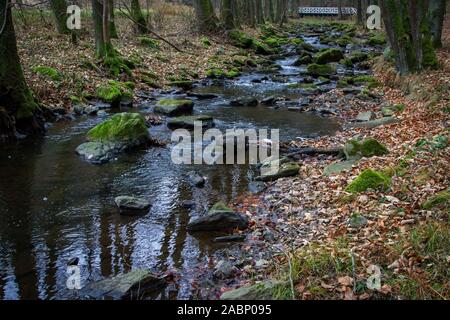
<point x="338" y="167"/>
<point x="172" y="107"/>
<point x="324" y="70"/>
<point x="281" y="171"/>
<point x="262" y="291"/>
<point x="121" y="132"/>
<point x="370" y="147"/>
<point x="126" y="203"/>
<point x="373" y="123"/>
<point x="133" y="285"/>
<point x="244" y="102"/>
<point x="219" y="218"/>
<point x="329" y="55"/>
<point x="187" y="122"/>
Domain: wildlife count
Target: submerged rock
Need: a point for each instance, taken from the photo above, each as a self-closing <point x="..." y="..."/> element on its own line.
<point x="219" y="218"/>
<point x="244" y="101"/>
<point x="172" y="107"/>
<point x="119" y="133"/>
<point x="262" y="291"/>
<point x="127" y="203"/>
<point x="187" y="122"/>
<point x="128" y="286"/>
<point x="195" y="179"/>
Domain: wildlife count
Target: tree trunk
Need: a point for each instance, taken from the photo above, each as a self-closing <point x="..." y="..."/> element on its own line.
<point x="206" y="18"/>
<point x="408" y="31"/>
<point x="18" y="109"/>
<point x="259" y="12"/>
<point x="340" y="9"/>
<point x="436" y="13"/>
<point x="138" y="17"/>
<point x="59" y="8"/>
<point x="227" y="14"/>
<point x="112" y="22"/>
<point x="359" y="17"/>
<point x="103" y="46"/>
<point x="270" y="14"/>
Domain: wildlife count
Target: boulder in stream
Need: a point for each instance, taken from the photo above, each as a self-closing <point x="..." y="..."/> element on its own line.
<point x="219" y="218"/>
<point x="172" y="107"/>
<point x="129" y="286"/>
<point x="119" y="133"/>
<point x="187" y="122"/>
<point x="195" y="179"/>
<point x="128" y="204"/>
<point x="244" y="102"/>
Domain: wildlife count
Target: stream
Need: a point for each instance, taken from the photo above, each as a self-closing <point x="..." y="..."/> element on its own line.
<point x="55" y="207"/>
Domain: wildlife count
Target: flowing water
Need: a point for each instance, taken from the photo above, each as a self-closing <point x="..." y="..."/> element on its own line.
<point x="55" y="207"/>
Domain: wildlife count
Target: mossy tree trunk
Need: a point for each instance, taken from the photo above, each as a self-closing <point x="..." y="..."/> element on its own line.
<point x="436" y="13"/>
<point x="359" y="14"/>
<point x="59" y="8"/>
<point x="206" y="18"/>
<point x="100" y="16"/>
<point x="227" y="14"/>
<point x="138" y="17"/>
<point x="19" y="112"/>
<point x="269" y="10"/>
<point x="408" y="30"/>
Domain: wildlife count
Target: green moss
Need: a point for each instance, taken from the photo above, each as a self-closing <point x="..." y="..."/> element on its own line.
<point x="261" y="48"/>
<point x="149" y="42"/>
<point x="321" y="69"/>
<point x="52" y="73"/>
<point x="240" y="39"/>
<point x="358" y="56"/>
<point x="377" y="39"/>
<point x="215" y="73"/>
<point x="220" y="206"/>
<point x="116" y="65"/>
<point x="115" y="91"/>
<point x="173" y="107"/>
<point x="311" y="86"/>
<point x="347" y="62"/>
<point x="120" y="127"/>
<point x="368" y="148"/>
<point x="233" y="73"/>
<point x="439" y="199"/>
<point x="205" y="42"/>
<point x="369" y="179"/>
<point x="329" y="55"/>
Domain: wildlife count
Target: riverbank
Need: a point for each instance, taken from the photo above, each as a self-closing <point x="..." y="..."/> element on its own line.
<point x="330" y="237"/>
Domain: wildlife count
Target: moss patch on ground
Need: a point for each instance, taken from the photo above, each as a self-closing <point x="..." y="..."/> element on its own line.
<point x="369" y="179"/>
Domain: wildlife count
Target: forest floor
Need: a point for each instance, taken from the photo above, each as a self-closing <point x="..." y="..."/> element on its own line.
<point x="331" y="239"/>
<point x="78" y="73"/>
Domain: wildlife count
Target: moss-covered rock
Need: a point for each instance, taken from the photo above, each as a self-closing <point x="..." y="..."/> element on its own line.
<point x="120" y="127"/>
<point x="370" y="147"/>
<point x="377" y="39"/>
<point x="440" y="199"/>
<point x="303" y="60"/>
<point x="358" y="56"/>
<point x="369" y="179"/>
<point x="115" y="91"/>
<point x="262" y="48"/>
<point x="215" y="73"/>
<point x="329" y="55"/>
<point x="173" y="107"/>
<point x="261" y="291"/>
<point x="321" y="70"/>
<point x="233" y="73"/>
<point x="50" y="72"/>
<point x="240" y="39"/>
